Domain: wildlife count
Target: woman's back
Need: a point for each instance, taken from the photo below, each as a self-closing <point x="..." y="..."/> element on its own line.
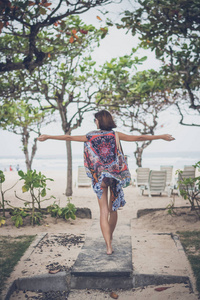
<point x="102" y="164"/>
<point x="101" y="146"/>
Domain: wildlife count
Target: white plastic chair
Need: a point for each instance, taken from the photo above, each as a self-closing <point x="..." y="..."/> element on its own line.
<point x="189" y="168"/>
<point x="156" y="183"/>
<point x="169" y="170"/>
<point x="142" y="176"/>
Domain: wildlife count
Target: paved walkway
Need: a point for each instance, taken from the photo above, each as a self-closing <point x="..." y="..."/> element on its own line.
<point x="94" y="269"/>
<point x="141" y="258"/>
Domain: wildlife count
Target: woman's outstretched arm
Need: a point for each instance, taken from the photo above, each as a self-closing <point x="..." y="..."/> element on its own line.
<point x="140" y="138"/>
<point x="66" y="137"/>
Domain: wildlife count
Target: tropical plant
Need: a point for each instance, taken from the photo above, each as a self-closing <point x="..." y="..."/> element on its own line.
<point x="36" y="218"/>
<point x="55" y="210"/>
<point x="3" y="200"/>
<point x="17" y="216"/>
<point x="69" y="211"/>
<point x="66" y="212"/>
<point x="36" y="185"/>
<point x="2" y="203"/>
<point x="190" y="190"/>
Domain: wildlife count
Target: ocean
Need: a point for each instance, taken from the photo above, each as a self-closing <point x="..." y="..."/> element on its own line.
<point x="151" y="160"/>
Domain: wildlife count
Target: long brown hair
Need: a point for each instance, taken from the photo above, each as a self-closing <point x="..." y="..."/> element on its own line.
<point x="105" y="119"/>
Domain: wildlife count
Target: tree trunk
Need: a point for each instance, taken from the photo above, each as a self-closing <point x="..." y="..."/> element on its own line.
<point x="139" y="151"/>
<point x="138" y="155"/>
<point x="69" y="191"/>
<point x="3" y="200"/>
<point x="34" y="149"/>
<point x="25" y="138"/>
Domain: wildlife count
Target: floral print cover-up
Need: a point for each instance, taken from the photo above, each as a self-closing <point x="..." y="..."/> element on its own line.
<point x="102" y="162"/>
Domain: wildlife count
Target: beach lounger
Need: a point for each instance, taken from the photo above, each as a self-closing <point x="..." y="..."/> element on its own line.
<point x="170" y="183"/>
<point x="189" y="168"/>
<point x="156" y="183"/>
<point x="169" y="170"/>
<point x="142" y="176"/>
<point x="83" y="179"/>
<point x="189" y="173"/>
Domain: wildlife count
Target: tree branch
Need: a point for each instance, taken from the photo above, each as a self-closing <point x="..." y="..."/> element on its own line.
<point x="182" y="118"/>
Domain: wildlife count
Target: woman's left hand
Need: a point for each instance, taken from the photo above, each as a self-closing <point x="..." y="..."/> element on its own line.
<point x="168" y="137"/>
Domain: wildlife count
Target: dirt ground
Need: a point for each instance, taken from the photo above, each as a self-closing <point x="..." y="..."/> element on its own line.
<point x="183" y="219"/>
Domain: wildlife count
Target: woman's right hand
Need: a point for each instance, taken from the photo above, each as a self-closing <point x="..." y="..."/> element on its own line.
<point x="42" y="137"/>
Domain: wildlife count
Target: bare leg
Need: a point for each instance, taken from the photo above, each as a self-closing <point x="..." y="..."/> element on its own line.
<point x="113" y="218"/>
<point x="104" y="214"/>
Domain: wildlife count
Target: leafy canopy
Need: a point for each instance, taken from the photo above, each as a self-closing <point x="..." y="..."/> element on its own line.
<point x="27" y="19"/>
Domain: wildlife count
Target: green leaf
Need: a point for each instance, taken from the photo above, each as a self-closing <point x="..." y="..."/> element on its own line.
<point x="143" y="58"/>
<point x="20" y="173"/>
<point x="17" y="223"/>
<point x="25" y="188"/>
<point x="2" y="177"/>
<point x="73" y="216"/>
<point x="2" y="221"/>
<point x="43" y="192"/>
<point x="20" y="220"/>
<point x="42" y="10"/>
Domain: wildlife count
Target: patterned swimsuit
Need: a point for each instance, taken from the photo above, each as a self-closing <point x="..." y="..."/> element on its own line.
<point x="102" y="164"/>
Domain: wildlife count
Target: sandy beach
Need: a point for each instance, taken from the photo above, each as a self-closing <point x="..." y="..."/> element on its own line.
<point x="40" y="261"/>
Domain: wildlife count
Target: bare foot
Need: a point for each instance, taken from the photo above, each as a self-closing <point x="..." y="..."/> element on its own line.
<point x="109" y="251"/>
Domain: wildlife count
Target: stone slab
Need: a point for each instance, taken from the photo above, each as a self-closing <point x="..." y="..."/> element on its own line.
<point x="45" y="282"/>
<point x="143" y="280"/>
<point x="95" y="269"/>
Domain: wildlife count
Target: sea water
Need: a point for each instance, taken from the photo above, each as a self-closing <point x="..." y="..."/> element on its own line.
<point x="151" y="160"/>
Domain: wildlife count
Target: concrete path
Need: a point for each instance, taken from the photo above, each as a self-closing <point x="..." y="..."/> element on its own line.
<point x="95" y="269"/>
<point x="172" y="292"/>
<point x="136" y="262"/>
<point x="158" y="258"/>
<point x="157" y="253"/>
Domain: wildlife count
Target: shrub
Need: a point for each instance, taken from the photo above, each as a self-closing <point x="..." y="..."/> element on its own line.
<point x="190" y="190"/>
<point x="36" y="185"/>
<point x="66" y="212"/>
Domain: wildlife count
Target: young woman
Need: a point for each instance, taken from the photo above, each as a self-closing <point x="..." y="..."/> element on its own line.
<point x="105" y="167"/>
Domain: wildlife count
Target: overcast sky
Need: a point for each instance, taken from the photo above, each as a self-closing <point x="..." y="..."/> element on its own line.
<point x="117" y="43"/>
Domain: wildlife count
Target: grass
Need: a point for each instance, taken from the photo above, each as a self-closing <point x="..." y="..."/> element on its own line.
<point x="11" y="250"/>
<point x="191" y="243"/>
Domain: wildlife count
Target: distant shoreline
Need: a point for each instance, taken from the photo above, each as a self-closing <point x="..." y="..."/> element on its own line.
<point x="59" y="162"/>
<point x="145" y="154"/>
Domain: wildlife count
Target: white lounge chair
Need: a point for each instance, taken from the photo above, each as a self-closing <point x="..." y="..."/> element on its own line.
<point x="189" y="168"/>
<point x="142" y="176"/>
<point x="156" y="183"/>
<point x="83" y="179"/>
<point x="189" y="173"/>
<point x="169" y="170"/>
